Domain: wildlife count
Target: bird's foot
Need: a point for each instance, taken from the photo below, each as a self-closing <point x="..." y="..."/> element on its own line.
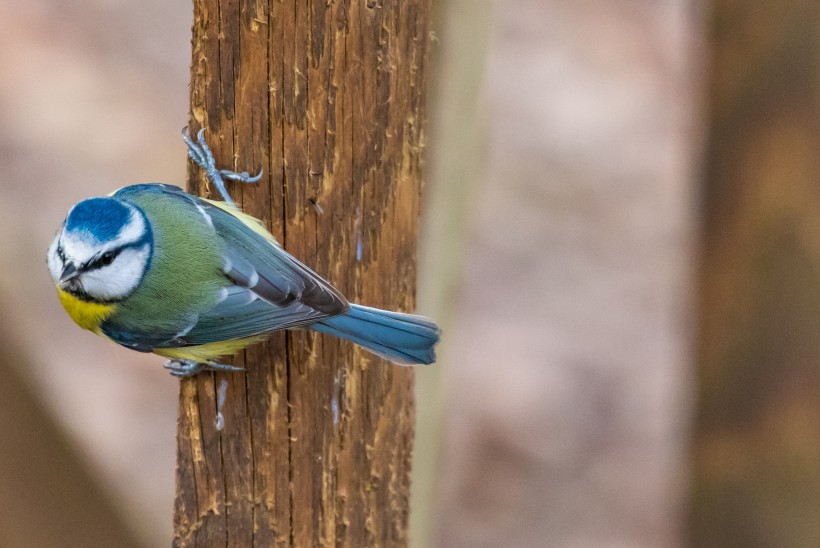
<point x="201" y="154"/>
<point x="183" y="368"/>
<point x="189" y="368"/>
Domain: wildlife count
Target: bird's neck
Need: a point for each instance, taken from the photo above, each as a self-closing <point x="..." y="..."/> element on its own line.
<point x="88" y="315"/>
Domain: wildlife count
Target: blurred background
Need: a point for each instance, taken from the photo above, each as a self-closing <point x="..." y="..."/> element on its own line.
<point x="621" y="240"/>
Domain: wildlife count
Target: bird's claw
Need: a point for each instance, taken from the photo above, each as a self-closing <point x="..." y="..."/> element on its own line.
<point x="189" y="368"/>
<point x="183" y="368"/>
<point x="201" y="154"/>
<point x="243" y="177"/>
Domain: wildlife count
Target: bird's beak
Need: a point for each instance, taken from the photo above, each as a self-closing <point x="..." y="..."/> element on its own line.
<point x="69" y="273"/>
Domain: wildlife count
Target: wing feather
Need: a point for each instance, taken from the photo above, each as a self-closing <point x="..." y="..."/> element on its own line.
<point x="282" y="278"/>
<point x="266" y="288"/>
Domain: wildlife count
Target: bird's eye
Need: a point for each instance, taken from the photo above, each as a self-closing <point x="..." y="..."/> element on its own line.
<point x="107" y="258"/>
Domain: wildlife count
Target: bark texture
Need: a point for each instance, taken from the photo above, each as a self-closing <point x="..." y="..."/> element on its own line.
<point x="327" y="98"/>
<point x="757" y="442"/>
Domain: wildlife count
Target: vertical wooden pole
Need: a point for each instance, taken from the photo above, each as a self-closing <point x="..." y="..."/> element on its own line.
<point x="757" y="440"/>
<point x="328" y="98"/>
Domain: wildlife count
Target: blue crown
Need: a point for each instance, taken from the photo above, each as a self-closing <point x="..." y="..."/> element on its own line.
<point x="102" y="218"/>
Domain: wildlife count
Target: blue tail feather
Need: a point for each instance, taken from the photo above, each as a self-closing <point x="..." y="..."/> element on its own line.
<point x="404" y="339"/>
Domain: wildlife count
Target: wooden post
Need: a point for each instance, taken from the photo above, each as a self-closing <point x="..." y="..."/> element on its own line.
<point x="757" y="442"/>
<point x="327" y="98"/>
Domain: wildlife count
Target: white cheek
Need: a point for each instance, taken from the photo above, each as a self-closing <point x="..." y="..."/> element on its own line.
<point x="120" y="278"/>
<point x="132" y="231"/>
<point x="55" y="264"/>
<point x="80" y="247"/>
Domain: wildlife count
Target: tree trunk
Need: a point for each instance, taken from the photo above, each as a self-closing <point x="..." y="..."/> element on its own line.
<point x="327" y="98"/>
<point x="757" y="442"/>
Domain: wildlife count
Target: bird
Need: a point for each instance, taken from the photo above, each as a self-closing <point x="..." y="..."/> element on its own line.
<point x="156" y="269"/>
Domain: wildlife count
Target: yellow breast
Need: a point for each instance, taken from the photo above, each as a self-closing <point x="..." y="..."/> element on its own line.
<point x="87" y="315"/>
<point x="210" y="351"/>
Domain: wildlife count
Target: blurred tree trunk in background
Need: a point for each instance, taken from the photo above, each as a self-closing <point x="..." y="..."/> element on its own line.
<point x="460" y="134"/>
<point x="757" y="441"/>
<point x="48" y="496"/>
<point x="328" y="98"/>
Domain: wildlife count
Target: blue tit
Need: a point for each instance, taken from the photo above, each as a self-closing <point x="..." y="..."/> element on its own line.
<point x="156" y="269"/>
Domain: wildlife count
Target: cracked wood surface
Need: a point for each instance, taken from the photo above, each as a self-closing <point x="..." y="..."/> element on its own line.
<point x="327" y="98"/>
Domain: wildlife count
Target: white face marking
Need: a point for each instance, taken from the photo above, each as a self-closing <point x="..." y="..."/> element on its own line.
<point x="103" y="282"/>
<point x="55" y="262"/>
<point x="81" y="246"/>
<point x="118" y="279"/>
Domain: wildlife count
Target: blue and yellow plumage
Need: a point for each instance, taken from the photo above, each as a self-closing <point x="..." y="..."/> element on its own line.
<point x="158" y="270"/>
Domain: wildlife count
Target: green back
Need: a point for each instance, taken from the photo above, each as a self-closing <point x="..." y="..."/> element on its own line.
<point x="184" y="277"/>
<point x="198" y="287"/>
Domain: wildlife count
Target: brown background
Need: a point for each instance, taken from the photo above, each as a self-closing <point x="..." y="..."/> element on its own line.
<point x="620" y="217"/>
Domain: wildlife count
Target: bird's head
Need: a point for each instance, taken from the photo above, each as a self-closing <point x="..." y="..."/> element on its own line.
<point x="102" y="251"/>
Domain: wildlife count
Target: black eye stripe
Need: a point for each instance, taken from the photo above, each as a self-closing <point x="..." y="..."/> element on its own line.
<point x="103" y="260"/>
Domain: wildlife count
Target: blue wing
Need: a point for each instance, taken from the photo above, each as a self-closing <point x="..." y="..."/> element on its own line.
<point x="266" y="288"/>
